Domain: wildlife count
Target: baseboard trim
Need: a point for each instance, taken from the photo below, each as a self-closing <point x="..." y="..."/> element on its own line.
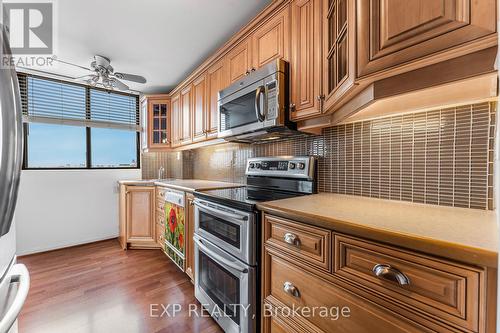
<point x="65" y="246"/>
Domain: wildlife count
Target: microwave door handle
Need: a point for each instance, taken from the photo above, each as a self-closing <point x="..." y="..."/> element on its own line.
<point x="259" y="92"/>
<point x="219" y="258"/>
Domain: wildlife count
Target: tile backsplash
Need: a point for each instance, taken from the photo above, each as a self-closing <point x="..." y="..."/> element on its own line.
<point x="442" y="157"/>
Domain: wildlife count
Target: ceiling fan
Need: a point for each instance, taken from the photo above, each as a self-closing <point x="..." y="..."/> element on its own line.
<point x="104" y="74"/>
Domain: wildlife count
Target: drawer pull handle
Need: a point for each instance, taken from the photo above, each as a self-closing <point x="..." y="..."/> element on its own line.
<point x="392" y="274"/>
<point x="290" y="289"/>
<point x="291" y="239"/>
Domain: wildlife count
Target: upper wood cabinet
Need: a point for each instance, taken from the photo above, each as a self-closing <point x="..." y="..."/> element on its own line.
<point x="305" y="60"/>
<point x="199" y="91"/>
<point x="339" y="52"/>
<point x="155" y="121"/>
<point x="391" y="33"/>
<point x="186" y="106"/>
<point x="238" y="61"/>
<point x="216" y="81"/>
<point x="272" y="40"/>
<point x="176" y="120"/>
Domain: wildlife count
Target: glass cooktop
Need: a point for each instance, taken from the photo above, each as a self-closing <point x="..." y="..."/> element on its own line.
<point x="243" y="197"/>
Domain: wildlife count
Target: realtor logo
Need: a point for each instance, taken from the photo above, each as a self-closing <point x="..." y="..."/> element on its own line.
<point x="30" y="27"/>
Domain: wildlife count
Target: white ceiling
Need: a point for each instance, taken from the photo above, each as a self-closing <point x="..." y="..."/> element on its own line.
<point x="163" y="40"/>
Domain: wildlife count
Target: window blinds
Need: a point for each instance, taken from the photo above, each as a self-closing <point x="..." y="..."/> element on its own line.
<point x="55" y="101"/>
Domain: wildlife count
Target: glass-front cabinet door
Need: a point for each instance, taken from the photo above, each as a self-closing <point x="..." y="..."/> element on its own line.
<point x="158" y="122"/>
<point x="339" y="49"/>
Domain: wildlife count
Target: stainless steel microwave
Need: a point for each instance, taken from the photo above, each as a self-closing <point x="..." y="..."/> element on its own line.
<point x="256" y="107"/>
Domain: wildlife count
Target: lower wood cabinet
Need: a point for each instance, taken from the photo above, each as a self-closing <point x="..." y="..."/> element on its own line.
<point x="364" y="286"/>
<point x="137" y="218"/>
<point x="189" y="253"/>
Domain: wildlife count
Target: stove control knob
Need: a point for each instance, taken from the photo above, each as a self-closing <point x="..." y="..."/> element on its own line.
<point x="301" y="166"/>
<point x="291" y="165"/>
<point x="252" y="165"/>
<point x="257" y="165"/>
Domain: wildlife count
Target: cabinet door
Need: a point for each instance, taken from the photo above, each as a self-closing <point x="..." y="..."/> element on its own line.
<point x="392" y="32"/>
<point x="159" y="123"/>
<point x="305" y="61"/>
<point x="339" y="52"/>
<point x="141" y="229"/>
<point x="186" y="115"/>
<point x="176" y="120"/>
<point x="272" y="40"/>
<point x="216" y="81"/>
<point x="238" y="61"/>
<point x="199" y="108"/>
<point x="189" y="236"/>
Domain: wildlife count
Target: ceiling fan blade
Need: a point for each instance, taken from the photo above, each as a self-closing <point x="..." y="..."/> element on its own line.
<point x="119" y="84"/>
<point x="78" y="78"/>
<point x="130" y="77"/>
<point x="71" y="64"/>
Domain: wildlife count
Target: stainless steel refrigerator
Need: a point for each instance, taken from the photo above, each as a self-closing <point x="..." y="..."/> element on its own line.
<point x="14" y="277"/>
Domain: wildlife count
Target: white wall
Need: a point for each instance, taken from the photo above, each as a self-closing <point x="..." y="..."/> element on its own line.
<point x="62" y="208"/>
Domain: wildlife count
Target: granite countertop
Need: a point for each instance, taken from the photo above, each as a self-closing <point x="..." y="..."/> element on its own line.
<point x="466" y="235"/>
<point x="186" y="185"/>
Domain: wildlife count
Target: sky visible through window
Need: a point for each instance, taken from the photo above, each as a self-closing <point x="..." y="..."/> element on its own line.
<point x="64" y="146"/>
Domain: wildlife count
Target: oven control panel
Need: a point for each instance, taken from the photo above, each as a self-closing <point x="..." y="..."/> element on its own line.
<point x="287" y="166"/>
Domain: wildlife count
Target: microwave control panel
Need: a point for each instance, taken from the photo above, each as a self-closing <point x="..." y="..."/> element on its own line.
<point x="272" y="100"/>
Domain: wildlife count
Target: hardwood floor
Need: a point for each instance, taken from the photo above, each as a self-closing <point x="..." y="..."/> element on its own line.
<point x="100" y="288"/>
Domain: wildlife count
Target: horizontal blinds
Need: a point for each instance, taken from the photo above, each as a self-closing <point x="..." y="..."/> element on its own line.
<point x="59" y="102"/>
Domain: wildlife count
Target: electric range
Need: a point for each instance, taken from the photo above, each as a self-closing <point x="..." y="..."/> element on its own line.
<point x="227" y="237"/>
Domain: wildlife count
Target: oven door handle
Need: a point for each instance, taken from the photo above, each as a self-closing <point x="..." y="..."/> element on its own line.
<point x="258" y="112"/>
<point x="218" y="257"/>
<point x="218" y="213"/>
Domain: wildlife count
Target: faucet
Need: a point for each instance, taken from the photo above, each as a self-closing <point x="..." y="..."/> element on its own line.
<point x="161" y="172"/>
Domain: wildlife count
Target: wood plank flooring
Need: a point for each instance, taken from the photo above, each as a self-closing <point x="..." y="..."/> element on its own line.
<point x="98" y="287"/>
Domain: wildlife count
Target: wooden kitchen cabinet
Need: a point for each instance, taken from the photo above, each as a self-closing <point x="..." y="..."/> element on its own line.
<point x="216" y="81"/>
<point x="306" y="95"/>
<point x="395" y="33"/>
<point x="176" y="120"/>
<point x="185" y="109"/>
<point x="271" y="41"/>
<point x="189" y="262"/>
<point x="339" y="52"/>
<point x="137" y="217"/>
<point x="155" y="121"/>
<point x="200" y="110"/>
<point x="239" y="61"/>
<point x="412" y="293"/>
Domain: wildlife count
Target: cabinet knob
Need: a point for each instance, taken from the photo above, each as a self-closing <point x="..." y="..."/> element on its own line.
<point x="253" y="69"/>
<point x="291" y="239"/>
<point x="321" y="97"/>
<point x="290" y="289"/>
<point x="389" y="273"/>
<point x="247" y="72"/>
<point x="292" y="107"/>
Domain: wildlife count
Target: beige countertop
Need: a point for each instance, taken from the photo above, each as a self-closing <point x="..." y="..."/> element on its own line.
<point x="466" y="235"/>
<point x="186" y="185"/>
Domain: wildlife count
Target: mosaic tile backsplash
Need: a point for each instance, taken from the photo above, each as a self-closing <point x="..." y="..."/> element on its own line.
<point x="442" y="157"/>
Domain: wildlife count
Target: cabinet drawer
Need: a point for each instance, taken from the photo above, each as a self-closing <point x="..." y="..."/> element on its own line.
<point x="311" y="244"/>
<point x="294" y="287"/>
<point x="442" y="290"/>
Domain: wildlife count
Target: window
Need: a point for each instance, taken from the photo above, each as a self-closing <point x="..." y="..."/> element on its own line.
<point x="69" y="125"/>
